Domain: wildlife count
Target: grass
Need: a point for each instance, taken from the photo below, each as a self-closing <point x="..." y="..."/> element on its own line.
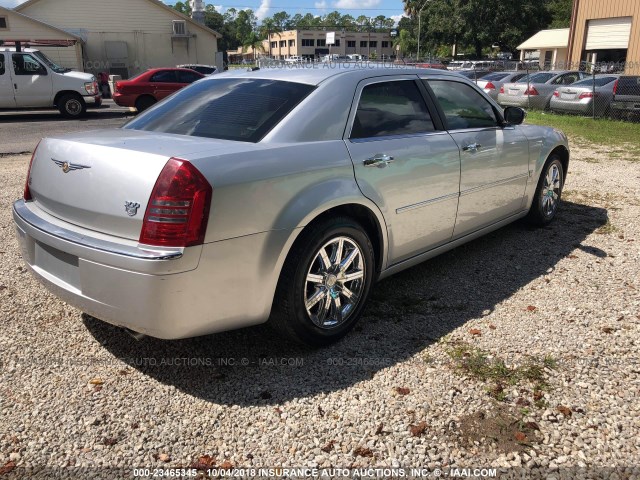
<point x="621" y="136"/>
<point x="480" y="365"/>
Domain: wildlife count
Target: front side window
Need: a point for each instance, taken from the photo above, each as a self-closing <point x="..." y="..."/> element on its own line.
<point x="463" y="106"/>
<point x="26" y="64"/>
<point x="391" y="108"/>
<point x="165" y="76"/>
<point x="243" y="110"/>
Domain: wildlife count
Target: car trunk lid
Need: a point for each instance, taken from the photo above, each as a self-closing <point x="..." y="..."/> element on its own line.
<point x="102" y="181"/>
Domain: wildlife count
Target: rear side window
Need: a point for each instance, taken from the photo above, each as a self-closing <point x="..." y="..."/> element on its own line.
<point x="495" y="76"/>
<point x="463" y="106"/>
<point x="2" y="62"/>
<point x="391" y="108"/>
<point x="238" y="109"/>
<point x="188" y="77"/>
<point x="165" y="76"/>
<point x="541" y="77"/>
<point x="204" y="70"/>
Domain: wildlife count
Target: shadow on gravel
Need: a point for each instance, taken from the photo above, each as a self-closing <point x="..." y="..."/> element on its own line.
<point x="407" y="313"/>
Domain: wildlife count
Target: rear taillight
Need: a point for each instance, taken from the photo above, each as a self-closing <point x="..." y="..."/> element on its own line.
<point x="615" y="87"/>
<point x="586" y="95"/>
<point x="490" y="86"/>
<point x="178" y="209"/>
<point x="502" y="89"/>
<point x="27" y="191"/>
<point x="531" y="91"/>
<point x="556" y="93"/>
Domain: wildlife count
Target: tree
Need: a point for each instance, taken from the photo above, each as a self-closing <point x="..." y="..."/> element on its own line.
<point x="245" y="25"/>
<point x="183" y="7"/>
<point x="560" y="13"/>
<point x="255" y="42"/>
<point x="281" y="21"/>
<point x="406" y="42"/>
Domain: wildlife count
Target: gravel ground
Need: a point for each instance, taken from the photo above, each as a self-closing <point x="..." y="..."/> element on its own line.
<point x="553" y="314"/>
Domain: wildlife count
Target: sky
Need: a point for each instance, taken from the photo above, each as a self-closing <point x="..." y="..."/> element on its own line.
<point x="266" y="8"/>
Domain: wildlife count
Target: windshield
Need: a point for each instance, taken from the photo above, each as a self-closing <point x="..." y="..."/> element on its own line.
<point x="53" y="66"/>
<point x="600" y="82"/>
<point x="237" y="109"/>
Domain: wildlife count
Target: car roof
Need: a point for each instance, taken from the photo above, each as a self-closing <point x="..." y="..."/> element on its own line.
<point x="315" y="74"/>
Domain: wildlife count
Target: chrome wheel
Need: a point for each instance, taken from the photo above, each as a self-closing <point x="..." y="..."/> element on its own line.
<point x="551" y="190"/>
<point x="334" y="282"/>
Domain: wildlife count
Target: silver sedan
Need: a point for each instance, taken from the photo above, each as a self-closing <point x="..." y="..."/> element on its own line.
<point x="493" y="82"/>
<point x="535" y="90"/>
<point x="587" y="97"/>
<point x="279" y="194"/>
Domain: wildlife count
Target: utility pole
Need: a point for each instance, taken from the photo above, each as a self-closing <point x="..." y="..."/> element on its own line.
<point x="419" y="27"/>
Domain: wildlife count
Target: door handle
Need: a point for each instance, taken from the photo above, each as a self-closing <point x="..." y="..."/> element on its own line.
<point x="379" y="160"/>
<point x="473" y="147"/>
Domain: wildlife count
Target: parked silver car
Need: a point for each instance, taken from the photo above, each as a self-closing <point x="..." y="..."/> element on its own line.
<point x="493" y="82"/>
<point x="579" y="97"/>
<point x="278" y="193"/>
<point x="535" y="90"/>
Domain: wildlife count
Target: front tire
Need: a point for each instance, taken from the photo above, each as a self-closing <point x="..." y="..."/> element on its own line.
<point x="548" y="193"/>
<point x="325" y="283"/>
<point x="72" y="106"/>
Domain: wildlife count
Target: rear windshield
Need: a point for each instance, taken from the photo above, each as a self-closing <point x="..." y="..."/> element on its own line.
<point x="238" y="109"/>
<point x="600" y="82"/>
<point x="495" y="76"/>
<point x="541" y="77"/>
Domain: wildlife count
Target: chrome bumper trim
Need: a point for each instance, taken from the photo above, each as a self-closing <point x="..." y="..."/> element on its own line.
<point x="22" y="214"/>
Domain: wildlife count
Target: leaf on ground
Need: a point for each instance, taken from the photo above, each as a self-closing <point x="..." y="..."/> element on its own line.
<point x="492" y="326"/>
<point x="520" y="437"/>
<point x="7" y="467"/>
<point x="523" y="402"/>
<point x="475" y="332"/>
<point x="363" y="452"/>
<point x="96" y="381"/>
<point x="417" y="430"/>
<point x="538" y="395"/>
<point x="608" y="329"/>
<point x="109" y="442"/>
<point x="328" y="447"/>
<point x="402" y="391"/>
<point x="531" y="308"/>
<point x="566" y="411"/>
<point x="204" y="462"/>
<point x="226" y="465"/>
<point x="573" y="256"/>
<point x="163" y="457"/>
<point x="379" y="429"/>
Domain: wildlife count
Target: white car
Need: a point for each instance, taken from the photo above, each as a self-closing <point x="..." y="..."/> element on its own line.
<point x="29" y="79"/>
<point x="203" y="69"/>
<point x="294" y="59"/>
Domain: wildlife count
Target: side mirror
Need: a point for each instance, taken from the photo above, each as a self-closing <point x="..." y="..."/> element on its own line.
<point x="514" y="115"/>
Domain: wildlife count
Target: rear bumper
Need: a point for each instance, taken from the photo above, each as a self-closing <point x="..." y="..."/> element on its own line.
<point x="535" y="101"/>
<point x="124" y="100"/>
<point x="584" y="106"/>
<point x="626" y="106"/>
<point x="167" y="294"/>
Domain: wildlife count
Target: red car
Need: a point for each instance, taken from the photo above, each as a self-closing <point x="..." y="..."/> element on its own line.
<point x="152" y="86"/>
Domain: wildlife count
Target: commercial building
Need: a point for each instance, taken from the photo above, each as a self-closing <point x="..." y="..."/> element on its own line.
<point x="126" y="37"/>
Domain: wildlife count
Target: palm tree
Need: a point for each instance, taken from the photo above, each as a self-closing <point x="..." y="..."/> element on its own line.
<point x="255" y="42"/>
<point x="405" y="42"/>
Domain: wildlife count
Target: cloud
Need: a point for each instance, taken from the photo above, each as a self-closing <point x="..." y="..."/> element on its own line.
<point x="10" y="3"/>
<point x="356" y="3"/>
<point x="397" y="18"/>
<point x="322" y="4"/>
<point x="263" y="10"/>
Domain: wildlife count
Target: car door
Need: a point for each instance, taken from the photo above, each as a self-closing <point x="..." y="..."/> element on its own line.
<point x="32" y="83"/>
<point x="7" y="99"/>
<point x="405" y="163"/>
<point x="494" y="157"/>
<point x="164" y="83"/>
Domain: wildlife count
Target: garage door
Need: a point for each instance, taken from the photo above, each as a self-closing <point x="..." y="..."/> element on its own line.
<point x="608" y="33"/>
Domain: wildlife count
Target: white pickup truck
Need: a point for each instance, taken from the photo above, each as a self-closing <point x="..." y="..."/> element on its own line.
<point x="29" y="79"/>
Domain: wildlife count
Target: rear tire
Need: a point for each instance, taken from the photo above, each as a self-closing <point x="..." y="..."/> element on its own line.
<point x="325" y="283"/>
<point x="71" y="105"/>
<point x="144" y="102"/>
<point x="548" y="193"/>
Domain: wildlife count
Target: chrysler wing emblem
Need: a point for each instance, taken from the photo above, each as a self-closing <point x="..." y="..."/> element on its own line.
<point x="69" y="167"/>
<point x="131" y="208"/>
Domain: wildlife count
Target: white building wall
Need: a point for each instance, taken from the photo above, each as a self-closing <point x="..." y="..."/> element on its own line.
<point x="146" y="28"/>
